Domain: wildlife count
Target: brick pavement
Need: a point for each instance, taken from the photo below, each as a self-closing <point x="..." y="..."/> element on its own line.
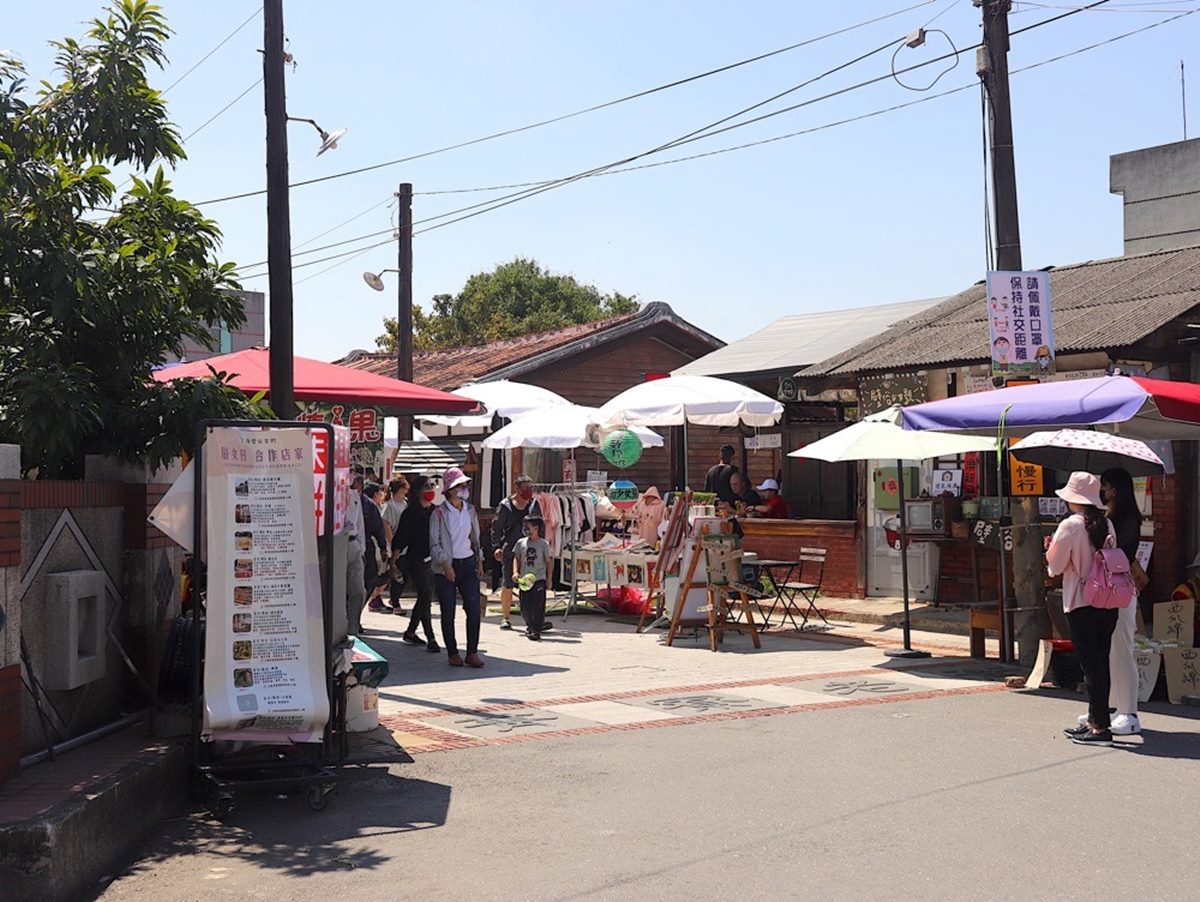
<point x="593" y="675"/>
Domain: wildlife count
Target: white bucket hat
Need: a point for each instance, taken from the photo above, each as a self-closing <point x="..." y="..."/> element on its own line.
<point x="1082" y="488"/>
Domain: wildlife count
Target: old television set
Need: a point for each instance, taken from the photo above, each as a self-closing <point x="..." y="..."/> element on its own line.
<point x="930" y="516"/>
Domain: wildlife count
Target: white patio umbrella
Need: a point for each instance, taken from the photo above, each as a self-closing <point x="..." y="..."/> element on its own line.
<point x="880" y="437"/>
<point x="572" y="426"/>
<point x="508" y="399"/>
<point x="699" y="400"/>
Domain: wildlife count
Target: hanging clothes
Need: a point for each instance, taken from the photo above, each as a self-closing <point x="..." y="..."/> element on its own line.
<point x="648" y="513"/>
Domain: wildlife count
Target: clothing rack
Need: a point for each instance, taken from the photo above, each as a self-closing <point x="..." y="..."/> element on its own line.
<point x="570" y="488"/>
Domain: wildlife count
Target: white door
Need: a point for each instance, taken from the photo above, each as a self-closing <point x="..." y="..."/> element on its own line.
<point x="884" y="575"/>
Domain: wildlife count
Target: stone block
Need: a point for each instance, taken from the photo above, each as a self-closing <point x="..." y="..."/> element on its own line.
<point x="10" y="461"/>
<point x="75" y="636"/>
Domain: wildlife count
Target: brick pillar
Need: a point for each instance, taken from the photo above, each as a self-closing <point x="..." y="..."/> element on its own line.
<point x="10" y="721"/>
<point x="10" y="616"/>
<point x="1170" y="535"/>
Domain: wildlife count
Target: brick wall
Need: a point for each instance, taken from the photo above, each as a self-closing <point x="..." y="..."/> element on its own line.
<point x="1170" y="534"/>
<point x="10" y="721"/>
<point x="139" y="501"/>
<point x="783" y="540"/>
<point x="10" y="523"/>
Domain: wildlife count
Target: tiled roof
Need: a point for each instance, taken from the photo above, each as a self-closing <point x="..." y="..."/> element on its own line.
<point x="1098" y="305"/>
<point x="448" y="368"/>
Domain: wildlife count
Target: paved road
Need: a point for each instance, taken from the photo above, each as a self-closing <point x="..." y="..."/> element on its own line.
<point x="964" y="792"/>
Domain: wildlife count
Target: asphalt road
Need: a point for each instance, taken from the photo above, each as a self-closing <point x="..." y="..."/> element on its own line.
<point x="956" y="797"/>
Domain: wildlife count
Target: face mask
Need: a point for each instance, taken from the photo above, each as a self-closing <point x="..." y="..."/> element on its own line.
<point x="464" y="493"/>
<point x="525" y="492"/>
<point x="427" y="496"/>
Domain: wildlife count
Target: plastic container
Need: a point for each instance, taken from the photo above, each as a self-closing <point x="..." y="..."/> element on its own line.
<point x="362" y="708"/>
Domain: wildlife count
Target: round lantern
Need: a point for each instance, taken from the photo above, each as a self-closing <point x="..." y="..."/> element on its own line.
<point x="623" y="494"/>
<point x="621" y="448"/>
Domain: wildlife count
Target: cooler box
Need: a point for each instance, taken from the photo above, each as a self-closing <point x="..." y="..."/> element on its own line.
<point x="368" y="669"/>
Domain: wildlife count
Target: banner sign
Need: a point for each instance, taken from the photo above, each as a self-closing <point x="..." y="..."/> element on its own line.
<point x="340" y="460"/>
<point x="1019" y="323"/>
<point x="365" y="427"/>
<point x="264" y="677"/>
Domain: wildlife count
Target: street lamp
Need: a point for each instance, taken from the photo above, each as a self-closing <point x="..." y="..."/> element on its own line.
<point x="329" y="141"/>
<point x="375" y="280"/>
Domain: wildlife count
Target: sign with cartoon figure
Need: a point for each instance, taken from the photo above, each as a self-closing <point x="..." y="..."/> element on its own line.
<point x="1019" y="323"/>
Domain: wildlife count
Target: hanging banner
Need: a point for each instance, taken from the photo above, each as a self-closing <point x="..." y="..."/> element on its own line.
<point x="1025" y="478"/>
<point x="1019" y="323"/>
<point x="264" y="677"/>
<point x="365" y="428"/>
<point x="340" y="461"/>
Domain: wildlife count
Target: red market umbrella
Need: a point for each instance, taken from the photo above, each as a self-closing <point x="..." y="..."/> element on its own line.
<point x="317" y="381"/>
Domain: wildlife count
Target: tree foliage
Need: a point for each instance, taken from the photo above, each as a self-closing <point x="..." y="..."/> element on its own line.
<point x="515" y="298"/>
<point x="95" y="288"/>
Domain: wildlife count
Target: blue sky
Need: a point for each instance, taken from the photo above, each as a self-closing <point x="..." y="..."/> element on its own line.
<point x="885" y="209"/>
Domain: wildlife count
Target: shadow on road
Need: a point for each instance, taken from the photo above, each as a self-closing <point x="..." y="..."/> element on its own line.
<point x="282" y="835"/>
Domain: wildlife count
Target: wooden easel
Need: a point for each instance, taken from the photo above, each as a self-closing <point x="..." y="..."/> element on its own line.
<point x="723" y="561"/>
<point x="668" y="559"/>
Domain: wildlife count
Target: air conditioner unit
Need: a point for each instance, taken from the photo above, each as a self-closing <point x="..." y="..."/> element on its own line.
<point x="788" y="389"/>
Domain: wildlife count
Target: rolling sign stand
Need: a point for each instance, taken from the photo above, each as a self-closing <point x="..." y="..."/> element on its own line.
<point x="265" y="714"/>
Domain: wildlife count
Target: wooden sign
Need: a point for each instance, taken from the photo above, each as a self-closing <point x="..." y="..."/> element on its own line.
<point x="877" y="393"/>
<point x="1024" y="479"/>
<point x="1183" y="672"/>
<point x="991" y="535"/>
<point x="1175" y="621"/>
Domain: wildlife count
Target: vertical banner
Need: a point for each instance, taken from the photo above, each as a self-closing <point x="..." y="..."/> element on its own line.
<point x="264" y="675"/>
<point x="1025" y="478"/>
<point x="339" y="459"/>
<point x="1019" y="323"/>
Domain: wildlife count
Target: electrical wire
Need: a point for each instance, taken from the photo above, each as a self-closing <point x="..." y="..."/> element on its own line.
<point x="851" y="119"/>
<point x="989" y="261"/>
<point x="947" y="71"/>
<point x="220" y="112"/>
<point x="204" y="58"/>
<point x="591" y="109"/>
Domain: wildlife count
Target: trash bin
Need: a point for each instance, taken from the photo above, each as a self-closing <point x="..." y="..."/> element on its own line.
<point x="368" y="669"/>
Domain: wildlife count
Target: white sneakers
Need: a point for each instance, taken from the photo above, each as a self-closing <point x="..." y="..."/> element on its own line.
<point x="1122" y="724"/>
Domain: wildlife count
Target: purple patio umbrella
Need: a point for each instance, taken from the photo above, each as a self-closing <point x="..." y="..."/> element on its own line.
<point x="1132" y="406"/>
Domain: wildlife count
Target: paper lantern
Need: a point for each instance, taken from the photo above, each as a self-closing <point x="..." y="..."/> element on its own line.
<point x="621" y="448"/>
<point x="623" y="494"/>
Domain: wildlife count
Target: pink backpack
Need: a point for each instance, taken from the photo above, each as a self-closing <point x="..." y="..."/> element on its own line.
<point x="1109" y="584"/>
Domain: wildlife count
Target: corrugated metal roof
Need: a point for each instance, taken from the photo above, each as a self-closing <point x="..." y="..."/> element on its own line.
<point x="793" y="342"/>
<point x="431" y="457"/>
<point x="1097" y="305"/>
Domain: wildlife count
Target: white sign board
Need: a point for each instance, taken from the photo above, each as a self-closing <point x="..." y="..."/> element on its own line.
<point x="763" y="442"/>
<point x="1019" y="324"/>
<point x="264" y="675"/>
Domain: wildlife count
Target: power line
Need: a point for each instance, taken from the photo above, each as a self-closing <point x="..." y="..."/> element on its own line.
<point x="202" y="59"/>
<point x="591" y="109"/>
<point x="807" y="131"/>
<point x="221" y="112"/>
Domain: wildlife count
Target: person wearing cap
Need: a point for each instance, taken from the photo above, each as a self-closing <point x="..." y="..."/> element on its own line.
<point x="457" y="561"/>
<point x="1071" y="553"/>
<point x="507" y="529"/>
<point x="773" y="506"/>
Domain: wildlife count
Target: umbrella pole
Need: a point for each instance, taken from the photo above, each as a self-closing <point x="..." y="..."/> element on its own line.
<point x="907" y="651"/>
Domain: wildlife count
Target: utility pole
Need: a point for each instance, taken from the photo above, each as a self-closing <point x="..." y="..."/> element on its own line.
<point x="404" y="325"/>
<point x="1023" y="617"/>
<point x="993" y="68"/>
<point x="279" y="230"/>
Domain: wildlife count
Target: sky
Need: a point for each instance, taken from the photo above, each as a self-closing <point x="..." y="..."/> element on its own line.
<point x="884" y="209"/>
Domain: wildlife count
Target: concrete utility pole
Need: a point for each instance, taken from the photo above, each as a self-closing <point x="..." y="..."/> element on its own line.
<point x="279" y="229"/>
<point x="404" y="324"/>
<point x="1024" y="620"/>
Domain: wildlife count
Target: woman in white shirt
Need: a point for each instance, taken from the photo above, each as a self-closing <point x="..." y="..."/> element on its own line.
<point x="1071" y="552"/>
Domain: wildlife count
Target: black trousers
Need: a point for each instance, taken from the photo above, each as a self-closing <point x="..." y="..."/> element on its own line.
<point x="533" y="606"/>
<point x="1091" y="633"/>
<point x="421" y="578"/>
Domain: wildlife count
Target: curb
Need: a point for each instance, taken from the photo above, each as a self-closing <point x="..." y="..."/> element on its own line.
<point x="65" y="850"/>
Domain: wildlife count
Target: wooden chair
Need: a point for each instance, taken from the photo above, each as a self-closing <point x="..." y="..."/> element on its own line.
<point x="809" y="576"/>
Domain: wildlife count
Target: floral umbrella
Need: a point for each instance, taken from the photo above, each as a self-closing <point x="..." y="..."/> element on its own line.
<point x="1091" y="452"/>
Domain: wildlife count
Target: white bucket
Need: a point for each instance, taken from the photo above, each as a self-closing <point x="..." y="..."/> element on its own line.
<point x="362" y="709"/>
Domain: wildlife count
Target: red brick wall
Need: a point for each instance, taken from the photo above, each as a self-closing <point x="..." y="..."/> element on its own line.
<point x="10" y="523"/>
<point x="838" y="538"/>
<point x="139" y="501"/>
<point x="1170" y="533"/>
<point x="54" y="493"/>
<point x="10" y="721"/>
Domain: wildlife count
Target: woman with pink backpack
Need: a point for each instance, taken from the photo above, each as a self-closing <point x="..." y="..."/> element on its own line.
<point x="1096" y="585"/>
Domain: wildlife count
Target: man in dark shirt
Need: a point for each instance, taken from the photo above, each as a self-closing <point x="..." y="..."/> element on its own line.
<point x="718" y="476"/>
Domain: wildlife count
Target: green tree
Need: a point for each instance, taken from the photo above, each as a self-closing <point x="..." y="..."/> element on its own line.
<point x="515" y="298"/>
<point x="95" y="288"/>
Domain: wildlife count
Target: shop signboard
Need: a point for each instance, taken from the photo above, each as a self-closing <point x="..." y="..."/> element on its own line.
<point x="1020" y="331"/>
<point x="264" y="677"/>
<point x="340" y="461"/>
<point x="992" y="535"/>
<point x="876" y="393"/>
<point x="763" y="442"/>
<point x="365" y="426"/>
